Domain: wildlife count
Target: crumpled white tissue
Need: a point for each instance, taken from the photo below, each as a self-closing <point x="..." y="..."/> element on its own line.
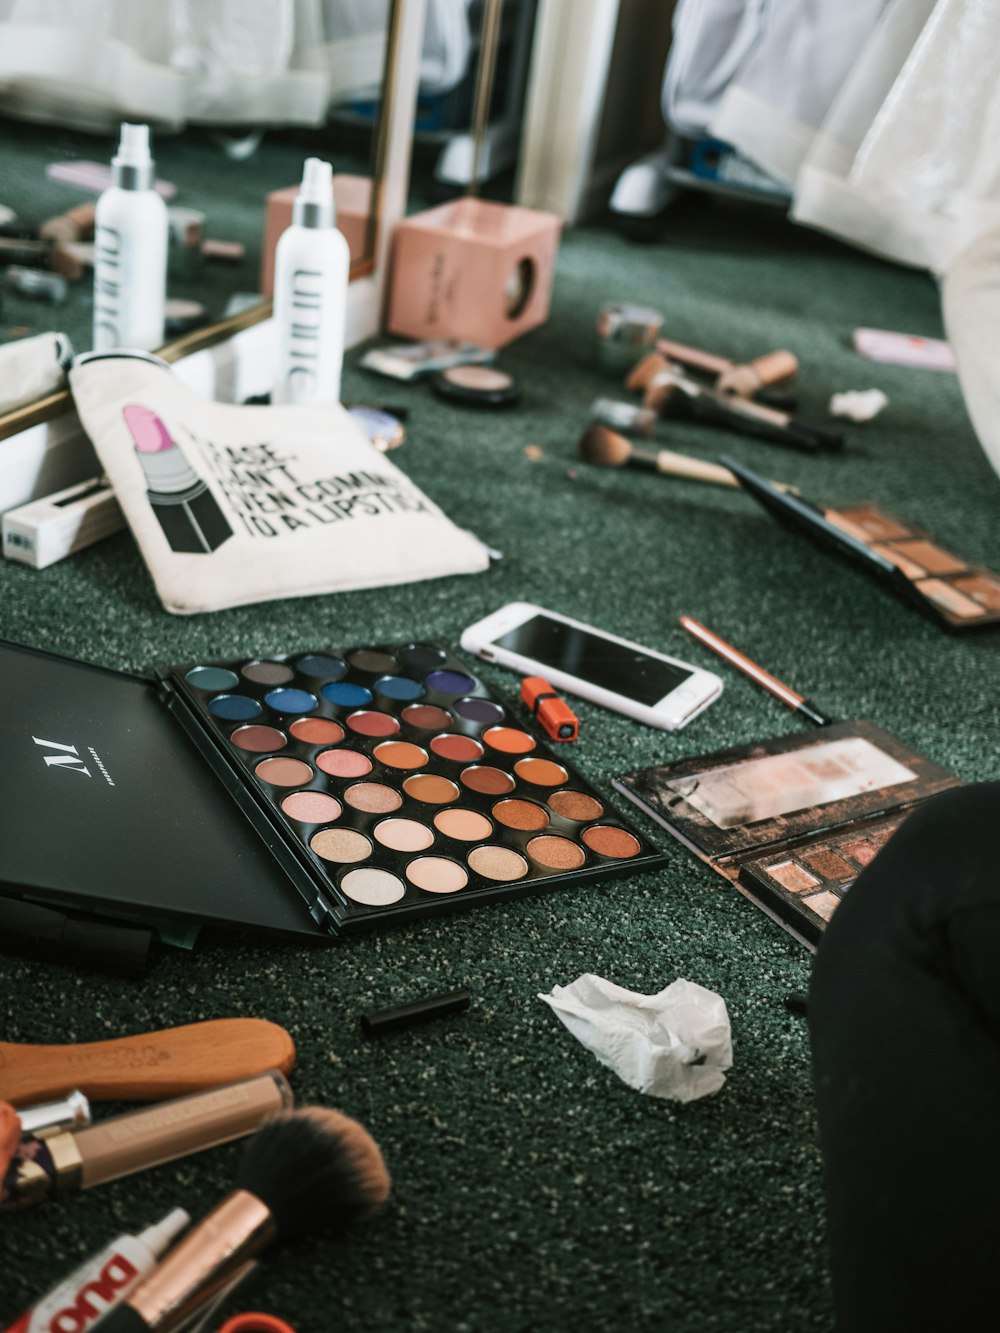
<point x="675" y="1044"/>
<point x="858" y="404"/>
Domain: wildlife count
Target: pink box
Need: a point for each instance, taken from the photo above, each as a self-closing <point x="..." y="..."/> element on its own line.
<point x="472" y="269"/>
<point x="352" y="197"/>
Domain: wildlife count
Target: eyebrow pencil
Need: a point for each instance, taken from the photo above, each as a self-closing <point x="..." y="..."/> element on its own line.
<point x="756" y="673"/>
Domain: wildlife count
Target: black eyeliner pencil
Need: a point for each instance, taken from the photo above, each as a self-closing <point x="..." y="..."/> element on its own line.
<point x="756" y="673"/>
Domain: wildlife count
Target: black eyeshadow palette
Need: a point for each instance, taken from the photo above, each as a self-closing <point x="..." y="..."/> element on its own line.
<point x="793" y="820"/>
<point x="389" y="784"/>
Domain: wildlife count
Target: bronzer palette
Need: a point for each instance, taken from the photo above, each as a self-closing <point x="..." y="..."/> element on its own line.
<point x="944" y="586"/>
<point x="389" y="784"/>
<point x="794" y="820"/>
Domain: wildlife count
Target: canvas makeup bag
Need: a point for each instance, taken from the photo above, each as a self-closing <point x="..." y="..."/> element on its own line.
<point x="233" y="505"/>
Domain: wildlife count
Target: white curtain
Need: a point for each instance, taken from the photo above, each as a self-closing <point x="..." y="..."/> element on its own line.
<point x="883" y="117"/>
<point x="92" y="63"/>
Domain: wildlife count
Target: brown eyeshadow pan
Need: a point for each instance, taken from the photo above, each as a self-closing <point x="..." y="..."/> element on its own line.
<point x="930" y="557"/>
<point x="431" y="789"/>
<point x="607" y="840"/>
<point x="555" y="852"/>
<point x="258" y="739"/>
<point x="793" y="877"/>
<point x="946" y="595"/>
<point x="575" y="805"/>
<point x="317" y="730"/>
<point x="524" y="815"/>
<point x="489" y="781"/>
<point x="869" y="523"/>
<point x="267" y="673"/>
<point x="982" y="588"/>
<point x="828" y="864"/>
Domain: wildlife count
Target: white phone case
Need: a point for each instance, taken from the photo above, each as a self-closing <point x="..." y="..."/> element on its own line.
<point x="675" y="710"/>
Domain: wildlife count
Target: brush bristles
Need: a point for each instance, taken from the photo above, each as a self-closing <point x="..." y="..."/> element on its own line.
<point x="604" y="447"/>
<point x="314" y="1169"/>
<point x="643" y="371"/>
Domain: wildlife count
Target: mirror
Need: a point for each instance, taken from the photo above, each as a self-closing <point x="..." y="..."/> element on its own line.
<point x="229" y="82"/>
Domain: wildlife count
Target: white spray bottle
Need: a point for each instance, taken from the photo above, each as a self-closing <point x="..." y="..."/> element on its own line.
<point x="311" y="268"/>
<point x="130" y="251"/>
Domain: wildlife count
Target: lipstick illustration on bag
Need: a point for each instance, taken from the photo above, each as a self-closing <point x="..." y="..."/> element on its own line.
<point x="188" y="512"/>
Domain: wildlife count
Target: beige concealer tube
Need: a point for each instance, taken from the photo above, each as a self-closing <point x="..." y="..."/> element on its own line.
<point x="138" y="1140"/>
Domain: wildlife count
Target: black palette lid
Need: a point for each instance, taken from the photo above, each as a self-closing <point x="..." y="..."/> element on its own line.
<point x="105" y="804"/>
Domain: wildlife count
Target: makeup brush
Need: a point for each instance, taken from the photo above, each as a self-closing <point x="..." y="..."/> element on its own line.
<point x="302" y="1172"/>
<point x="671" y="390"/>
<point x="148" y="1066"/>
<point x="605" y="447"/>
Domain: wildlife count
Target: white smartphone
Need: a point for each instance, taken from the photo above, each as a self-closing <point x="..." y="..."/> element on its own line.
<point x="613" y="672"/>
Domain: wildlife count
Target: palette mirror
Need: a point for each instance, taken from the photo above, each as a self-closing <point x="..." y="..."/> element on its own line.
<point x="349" y="68"/>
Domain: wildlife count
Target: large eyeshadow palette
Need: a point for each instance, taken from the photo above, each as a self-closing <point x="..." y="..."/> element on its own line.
<point x="389" y="784"/>
<point x="947" y="588"/>
<point x="794" y="820"/>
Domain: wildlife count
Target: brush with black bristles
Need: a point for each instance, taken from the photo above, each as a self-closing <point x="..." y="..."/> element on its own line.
<point x="303" y="1171"/>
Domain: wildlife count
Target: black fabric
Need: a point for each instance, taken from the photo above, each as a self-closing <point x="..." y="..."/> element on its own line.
<point x="904" y="1014"/>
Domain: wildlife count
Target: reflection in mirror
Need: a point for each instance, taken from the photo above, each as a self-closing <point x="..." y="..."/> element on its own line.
<point x="235" y="96"/>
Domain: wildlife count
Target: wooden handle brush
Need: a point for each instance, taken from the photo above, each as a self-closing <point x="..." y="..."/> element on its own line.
<point x="148" y="1066"/>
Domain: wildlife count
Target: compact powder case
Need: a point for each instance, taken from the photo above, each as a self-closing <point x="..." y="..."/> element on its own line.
<point x="311" y="795"/>
<point x="477" y="386"/>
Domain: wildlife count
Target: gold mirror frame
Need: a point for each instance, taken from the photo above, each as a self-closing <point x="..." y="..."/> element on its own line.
<point x="404" y="39"/>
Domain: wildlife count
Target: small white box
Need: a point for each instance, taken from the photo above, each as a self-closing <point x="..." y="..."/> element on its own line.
<point x="46" y="530"/>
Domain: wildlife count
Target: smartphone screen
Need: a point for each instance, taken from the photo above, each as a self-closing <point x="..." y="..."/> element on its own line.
<point x="591" y="657"/>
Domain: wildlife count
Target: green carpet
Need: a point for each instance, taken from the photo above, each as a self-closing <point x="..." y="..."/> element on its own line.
<point x="533" y="1191"/>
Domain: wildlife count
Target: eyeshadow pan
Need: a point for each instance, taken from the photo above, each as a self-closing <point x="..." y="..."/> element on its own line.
<point x="291" y="701"/>
<point x="909" y="567"/>
<point x="873" y="522"/>
<point x="793" y="877"/>
<point x="317" y="731"/>
<point x="556" y="853"/>
<point x="344" y="763"/>
<point x="311" y="807"/>
<point x="436" y="874"/>
<point x="234" y="707"/>
<point x="212" y="678"/>
<point x="610" y="841"/>
<point x="321" y="666"/>
<point x="258" y="740"/>
<point x="478" y="710"/>
<point x="284" y="772"/>
<point x="461" y="749"/>
<point x="983" y="588"/>
<point x="373" y="888"/>
<point x="823" y="904"/>
<point x="929" y="556"/>
<point x="574" y="805"/>
<point x="345" y="694"/>
<point x="403" y="835"/>
<point x="399" y="687"/>
<point x="450" y="682"/>
<point x="421" y="656"/>
<point x="431" y="789"/>
<point x="498" y="863"/>
<point x="401" y="754"/>
<point x="366" y="659"/>
<point x="267" y="673"/>
<point x="340" y="844"/>
<point x="374" y="797"/>
<point x="948" y="597"/>
<point x="373" y="724"/>
<point x="428" y="717"/>
<point x="510" y="741"/>
<point x="489" y="781"/>
<point x="861" y="851"/>
<point x="541" y="772"/>
<point x="828" y="864"/>
<point x="465" y="825"/>
<point x="523" y="815"/>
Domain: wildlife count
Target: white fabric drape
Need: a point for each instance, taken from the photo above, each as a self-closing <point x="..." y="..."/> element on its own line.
<point x="92" y="63"/>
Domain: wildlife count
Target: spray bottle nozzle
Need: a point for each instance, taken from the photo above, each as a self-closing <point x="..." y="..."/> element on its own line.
<point x="133" y="146"/>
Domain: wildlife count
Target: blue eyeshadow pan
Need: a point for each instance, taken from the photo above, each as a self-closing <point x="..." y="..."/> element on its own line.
<point x="450" y="682"/>
<point x="346" y="695"/>
<point x="234" y="707"/>
<point x="399" y="687"/>
<point x="291" y="701"/>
